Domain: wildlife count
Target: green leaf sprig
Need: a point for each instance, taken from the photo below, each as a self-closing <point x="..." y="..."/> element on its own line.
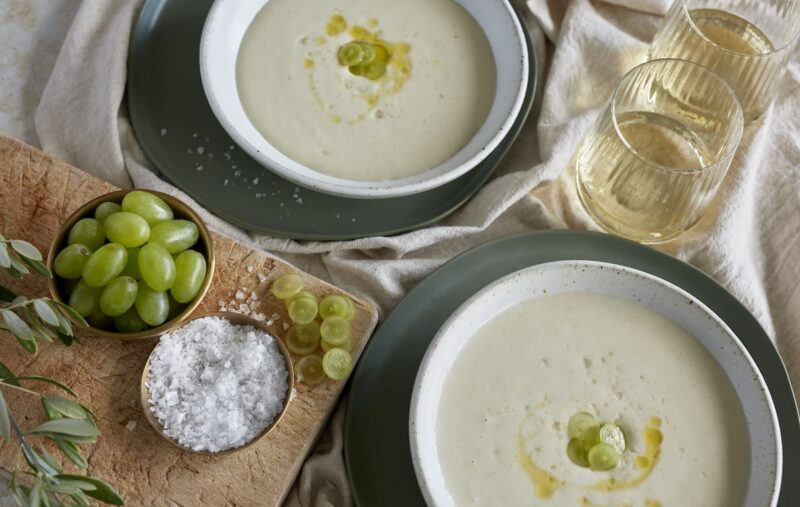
<point x="69" y="424"/>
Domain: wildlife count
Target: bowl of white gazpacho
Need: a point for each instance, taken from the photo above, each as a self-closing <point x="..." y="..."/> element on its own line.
<point x="584" y="384"/>
<point x="365" y="98"/>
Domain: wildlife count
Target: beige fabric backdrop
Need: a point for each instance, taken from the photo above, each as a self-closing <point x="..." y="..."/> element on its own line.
<point x="749" y="241"/>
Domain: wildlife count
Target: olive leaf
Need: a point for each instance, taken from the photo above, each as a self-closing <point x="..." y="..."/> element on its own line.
<point x="49" y="458"/>
<point x="46" y="313"/>
<point x="71" y="427"/>
<point x="5" y="260"/>
<point x="71" y="451"/>
<point x="65" y="407"/>
<point x="39" y="267"/>
<point x="16" y="325"/>
<point x="26" y="250"/>
<point x="104" y="492"/>
<point x="36" y="493"/>
<point x="5" y="422"/>
<point x="8" y="376"/>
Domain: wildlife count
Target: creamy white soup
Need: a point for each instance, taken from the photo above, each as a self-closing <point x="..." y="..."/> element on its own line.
<point x="433" y="89"/>
<point x="502" y="422"/>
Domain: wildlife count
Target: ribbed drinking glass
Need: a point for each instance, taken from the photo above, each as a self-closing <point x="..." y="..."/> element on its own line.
<point x="747" y="42"/>
<point x="655" y="159"/>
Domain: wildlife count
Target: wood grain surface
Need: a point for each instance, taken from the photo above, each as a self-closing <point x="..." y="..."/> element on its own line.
<point x="37" y="193"/>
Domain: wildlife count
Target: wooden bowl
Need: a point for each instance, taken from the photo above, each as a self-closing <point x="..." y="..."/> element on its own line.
<point x="183" y="211"/>
<point x="239" y="320"/>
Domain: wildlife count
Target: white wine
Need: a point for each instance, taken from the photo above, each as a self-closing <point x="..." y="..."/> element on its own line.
<point x="731" y="32"/>
<point x="653" y="200"/>
<point x="729" y="45"/>
<point x="657" y="154"/>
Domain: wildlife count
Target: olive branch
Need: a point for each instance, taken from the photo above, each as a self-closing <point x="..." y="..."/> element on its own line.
<point x="69" y="424"/>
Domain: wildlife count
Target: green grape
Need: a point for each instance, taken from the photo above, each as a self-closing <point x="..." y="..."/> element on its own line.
<point x="287" y="286"/>
<point x="576" y="453"/>
<point x="157" y="267"/>
<point x="602" y="457"/>
<point x="326" y="346"/>
<point x="175" y="235"/>
<point x="613" y="435"/>
<point x="85" y="299"/>
<point x="152" y="306"/>
<point x="175" y="308"/>
<point x="105" y="210"/>
<point x="591" y="437"/>
<point x="309" y="370"/>
<point x="87" y="232"/>
<point x="70" y="261"/>
<point x="105" y="264"/>
<point x="132" y="266"/>
<point x="118" y="296"/>
<point x="337" y="364"/>
<point x="579" y="423"/>
<point x="303" y="339"/>
<point x="355" y="53"/>
<point x="148" y="206"/>
<point x="190" y="273"/>
<point x="99" y="320"/>
<point x="302" y="310"/>
<point x="336" y="306"/>
<point x="130" y="322"/>
<point x="372" y="71"/>
<point x="382" y="54"/>
<point x="127" y="229"/>
<point x="335" y="331"/>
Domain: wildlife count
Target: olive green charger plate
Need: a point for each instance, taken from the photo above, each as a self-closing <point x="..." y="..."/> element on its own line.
<point x="180" y="134"/>
<point x="376" y="442"/>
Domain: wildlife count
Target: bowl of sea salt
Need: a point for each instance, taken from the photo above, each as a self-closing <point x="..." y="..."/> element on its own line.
<point x="217" y="384"/>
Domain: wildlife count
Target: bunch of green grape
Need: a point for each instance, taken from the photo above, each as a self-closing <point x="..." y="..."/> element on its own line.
<point x="131" y="267"/>
<point x="316" y="325"/>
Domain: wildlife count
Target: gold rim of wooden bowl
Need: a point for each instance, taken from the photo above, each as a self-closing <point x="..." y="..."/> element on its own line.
<point x="239" y="320"/>
<point x="181" y="210"/>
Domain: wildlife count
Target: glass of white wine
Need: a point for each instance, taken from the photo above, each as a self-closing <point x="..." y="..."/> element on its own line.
<point x="747" y="42"/>
<point x="657" y="154"/>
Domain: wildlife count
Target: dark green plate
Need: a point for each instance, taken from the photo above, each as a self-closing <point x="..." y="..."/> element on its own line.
<point x="172" y="118"/>
<point x="376" y="430"/>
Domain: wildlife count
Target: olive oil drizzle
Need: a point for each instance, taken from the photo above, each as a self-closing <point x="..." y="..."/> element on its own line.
<point x="545" y="484"/>
<point x="399" y="66"/>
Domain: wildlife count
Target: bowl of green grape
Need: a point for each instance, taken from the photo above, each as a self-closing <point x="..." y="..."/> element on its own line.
<point x="133" y="263"/>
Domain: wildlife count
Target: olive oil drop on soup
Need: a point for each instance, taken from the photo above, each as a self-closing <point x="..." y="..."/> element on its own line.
<point x="432" y="92"/>
<point x="506" y="402"/>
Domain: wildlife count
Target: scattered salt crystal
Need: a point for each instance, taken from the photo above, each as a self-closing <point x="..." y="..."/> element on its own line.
<point x="199" y="168"/>
<point x="226" y="182"/>
<point x="249" y="269"/>
<point x="255" y="181"/>
<point x="131" y="425"/>
<point x="163" y="132"/>
<point x="194" y="135"/>
<point x="231" y="147"/>
<point x="285" y="326"/>
<point x="216" y="386"/>
<point x="239" y="294"/>
<point x="200" y="150"/>
<point x="244" y="308"/>
<point x="262" y="278"/>
<point x="227" y="155"/>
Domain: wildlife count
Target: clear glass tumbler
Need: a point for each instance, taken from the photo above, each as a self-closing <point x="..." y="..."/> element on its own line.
<point x="657" y="154"/>
<point x="747" y="42"/>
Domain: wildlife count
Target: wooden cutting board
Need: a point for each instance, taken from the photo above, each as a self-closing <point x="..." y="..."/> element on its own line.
<point x="37" y="193"/>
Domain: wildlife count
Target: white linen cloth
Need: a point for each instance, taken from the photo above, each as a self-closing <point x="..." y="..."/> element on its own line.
<point x="749" y="241"/>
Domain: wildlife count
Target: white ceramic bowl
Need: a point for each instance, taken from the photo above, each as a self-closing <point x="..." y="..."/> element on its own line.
<point x="224" y="29"/>
<point x="626" y="283"/>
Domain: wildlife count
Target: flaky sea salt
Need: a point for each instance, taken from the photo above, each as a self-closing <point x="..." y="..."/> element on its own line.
<point x="216" y="386"/>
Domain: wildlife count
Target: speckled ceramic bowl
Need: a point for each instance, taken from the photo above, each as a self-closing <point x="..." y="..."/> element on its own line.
<point x="224" y="30"/>
<point x="594" y="277"/>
